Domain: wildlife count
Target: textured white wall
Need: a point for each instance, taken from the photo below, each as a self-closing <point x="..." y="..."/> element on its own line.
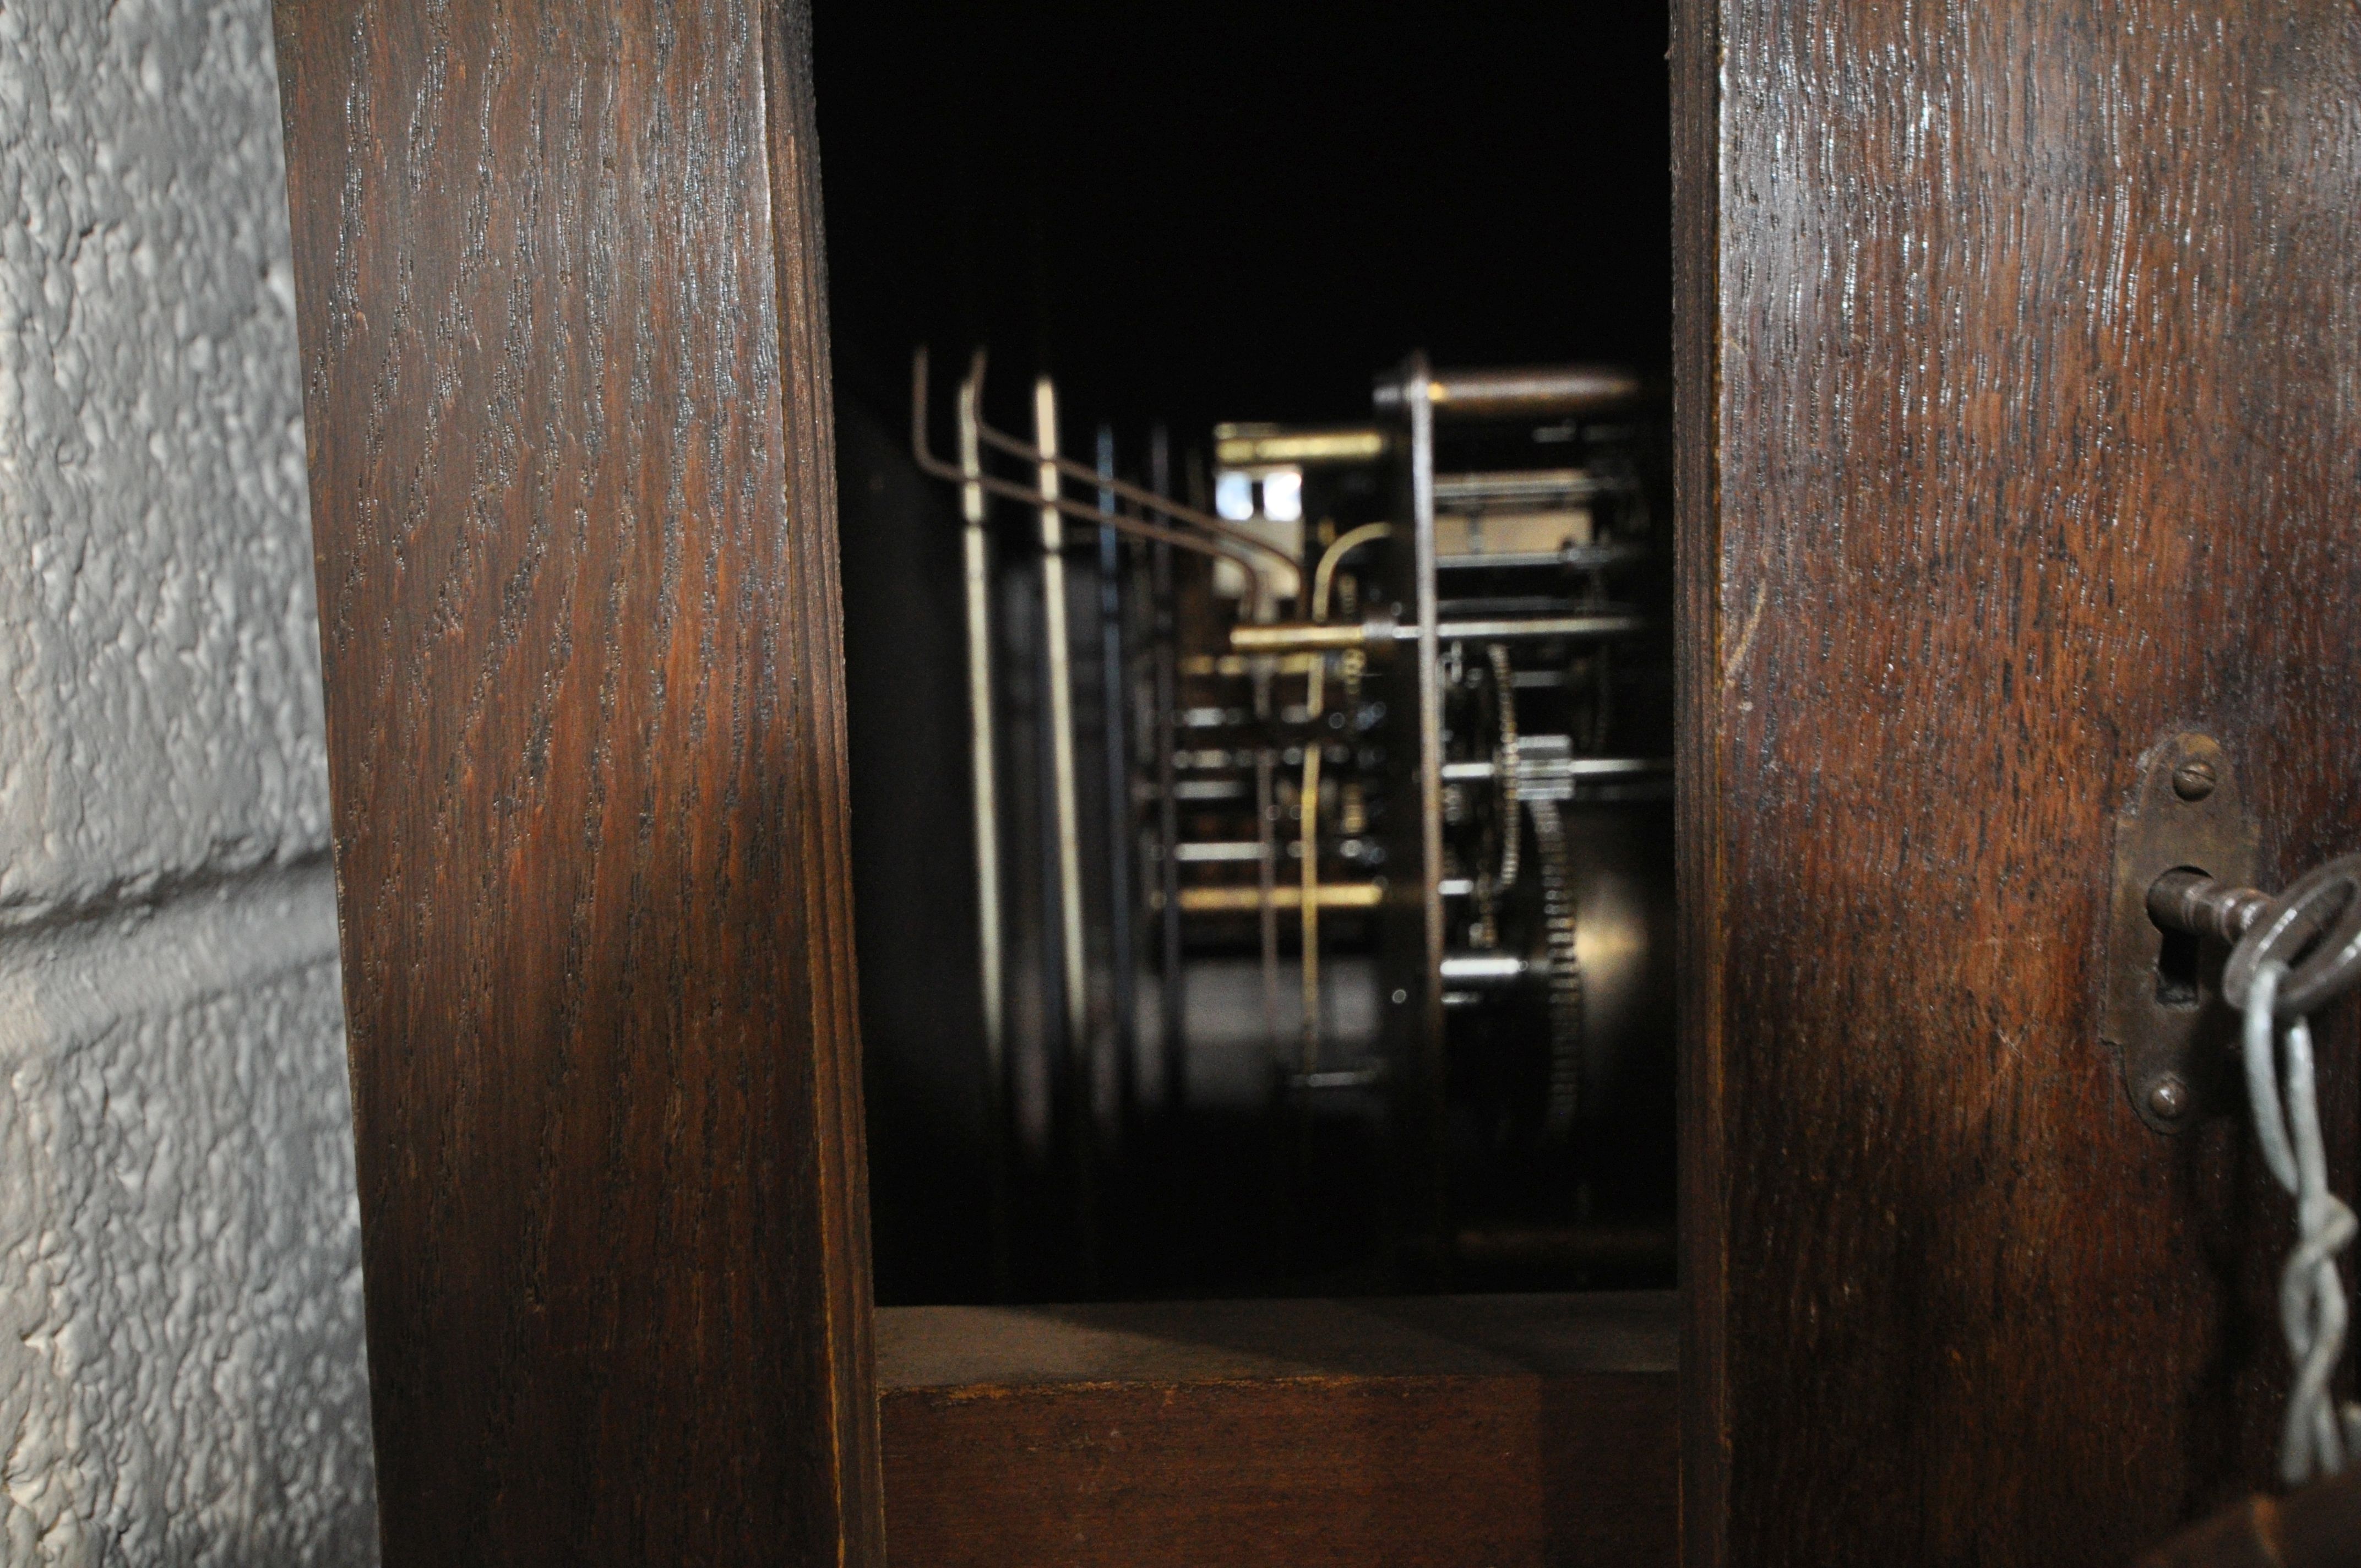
<point x="181" y="1371"/>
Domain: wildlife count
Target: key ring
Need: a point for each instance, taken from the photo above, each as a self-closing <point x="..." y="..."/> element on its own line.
<point x="2315" y="928"/>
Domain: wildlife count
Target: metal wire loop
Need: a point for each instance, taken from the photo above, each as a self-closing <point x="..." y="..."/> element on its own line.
<point x="2318" y="1434"/>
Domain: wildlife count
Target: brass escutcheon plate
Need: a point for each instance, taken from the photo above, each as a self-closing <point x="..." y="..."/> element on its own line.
<point x="2165" y="1032"/>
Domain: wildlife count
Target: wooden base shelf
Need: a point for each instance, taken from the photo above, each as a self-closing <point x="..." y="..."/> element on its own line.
<point x="1489" y="1431"/>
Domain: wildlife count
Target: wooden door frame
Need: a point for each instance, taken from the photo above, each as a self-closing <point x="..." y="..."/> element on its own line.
<point x="561" y="309"/>
<point x="2015" y="347"/>
<point x="560" y="291"/>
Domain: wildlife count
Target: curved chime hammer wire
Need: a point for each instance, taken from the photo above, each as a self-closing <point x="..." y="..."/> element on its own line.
<point x="1187" y="529"/>
<point x="2312" y="1296"/>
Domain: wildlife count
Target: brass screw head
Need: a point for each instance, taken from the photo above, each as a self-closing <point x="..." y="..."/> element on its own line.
<point x="2168" y="1097"/>
<point x="2194" y="780"/>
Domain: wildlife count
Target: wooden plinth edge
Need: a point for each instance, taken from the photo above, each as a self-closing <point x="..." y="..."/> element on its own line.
<point x="1493" y="1430"/>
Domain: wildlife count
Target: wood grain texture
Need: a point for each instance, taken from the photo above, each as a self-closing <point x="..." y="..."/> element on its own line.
<point x="1459" y="1433"/>
<point x="2021" y="341"/>
<point x="559" y="284"/>
<point x="2319" y="1527"/>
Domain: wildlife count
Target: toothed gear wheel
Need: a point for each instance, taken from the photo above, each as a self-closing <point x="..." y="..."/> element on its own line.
<point x="1559" y="915"/>
<point x="1504" y="762"/>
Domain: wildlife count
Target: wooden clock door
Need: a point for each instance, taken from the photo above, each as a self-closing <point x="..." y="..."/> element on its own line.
<point x="2019" y="434"/>
<point x="566" y="381"/>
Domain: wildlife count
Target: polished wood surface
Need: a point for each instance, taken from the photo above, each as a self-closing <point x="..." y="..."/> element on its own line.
<point x="558" y="276"/>
<point x="1482" y="1432"/>
<point x="2021" y="427"/>
<point x="2319" y="1527"/>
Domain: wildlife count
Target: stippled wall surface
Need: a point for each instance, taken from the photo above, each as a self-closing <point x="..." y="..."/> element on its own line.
<point x="181" y="1371"/>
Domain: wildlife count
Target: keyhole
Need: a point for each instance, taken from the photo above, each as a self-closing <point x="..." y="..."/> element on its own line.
<point x="2176" y="970"/>
<point x="2176" y="962"/>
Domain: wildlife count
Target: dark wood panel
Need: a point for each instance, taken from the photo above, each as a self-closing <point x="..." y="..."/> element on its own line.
<point x="2019" y="348"/>
<point x="2319" y="1527"/>
<point x="559" y="284"/>
<point x="1489" y="1432"/>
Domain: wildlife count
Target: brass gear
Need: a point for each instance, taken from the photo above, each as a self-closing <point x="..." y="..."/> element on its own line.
<point x="1560" y="916"/>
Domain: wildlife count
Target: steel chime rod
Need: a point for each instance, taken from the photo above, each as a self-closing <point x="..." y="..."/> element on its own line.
<point x="981" y="752"/>
<point x="1170" y="995"/>
<point x="1118" y="782"/>
<point x="984" y="788"/>
<point x="1061" y="728"/>
<point x="1073" y="1061"/>
<point x="1427" y="1069"/>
